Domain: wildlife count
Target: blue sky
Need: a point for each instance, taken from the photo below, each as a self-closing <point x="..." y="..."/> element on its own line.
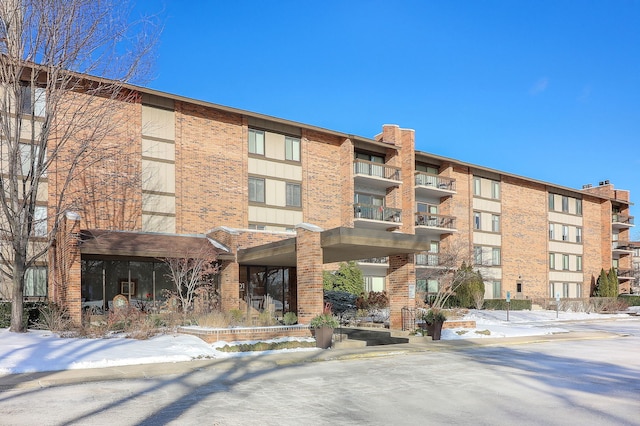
<point x="544" y="89"/>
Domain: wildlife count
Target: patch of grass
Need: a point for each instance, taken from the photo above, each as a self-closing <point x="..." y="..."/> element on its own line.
<point x="461" y="332"/>
<point x="484" y="332"/>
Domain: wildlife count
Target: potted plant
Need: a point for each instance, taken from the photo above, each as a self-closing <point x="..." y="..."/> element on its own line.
<point x="434" y="318"/>
<point x="323" y="326"/>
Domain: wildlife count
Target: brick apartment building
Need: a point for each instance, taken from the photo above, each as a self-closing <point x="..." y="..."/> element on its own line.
<point x="279" y="201"/>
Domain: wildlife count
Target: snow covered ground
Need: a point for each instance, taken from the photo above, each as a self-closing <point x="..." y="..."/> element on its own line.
<point x="44" y="351"/>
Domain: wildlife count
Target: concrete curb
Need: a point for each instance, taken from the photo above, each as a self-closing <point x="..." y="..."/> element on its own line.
<point x="274" y="360"/>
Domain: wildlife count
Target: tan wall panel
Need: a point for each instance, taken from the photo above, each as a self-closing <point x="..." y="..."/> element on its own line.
<point x="564" y="218"/>
<point x="265" y="214"/>
<point x="158" y="203"/>
<point x="275" y="192"/>
<point x="274" y="146"/>
<point x="152" y="223"/>
<point x="160" y="150"/>
<point x="485" y="239"/>
<point x="158" y="177"/>
<point x="159" y="123"/>
<point x="269" y="168"/>
<point x="487" y="205"/>
<point x="563" y="247"/>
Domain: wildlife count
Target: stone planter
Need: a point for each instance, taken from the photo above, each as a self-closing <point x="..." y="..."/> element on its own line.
<point x="323" y="337"/>
<point x="436" y="330"/>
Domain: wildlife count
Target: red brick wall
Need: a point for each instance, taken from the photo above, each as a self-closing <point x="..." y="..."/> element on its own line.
<point x="525" y="239"/>
<point x="309" y="275"/>
<point x="322" y="178"/>
<point x="211" y="169"/>
<point x="402" y="274"/>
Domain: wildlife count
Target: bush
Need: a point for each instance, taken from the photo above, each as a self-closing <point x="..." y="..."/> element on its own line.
<point x="30" y="314"/>
<point x="501" y="304"/>
<point x="630" y="300"/>
<point x="54" y="318"/>
<point x="290" y="318"/>
<point x="340" y="301"/>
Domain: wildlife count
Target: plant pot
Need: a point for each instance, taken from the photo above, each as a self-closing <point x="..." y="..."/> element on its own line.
<point x="323" y="337"/>
<point x="436" y="330"/>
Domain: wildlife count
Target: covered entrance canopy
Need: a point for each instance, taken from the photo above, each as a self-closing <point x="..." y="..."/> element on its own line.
<point x="338" y="245"/>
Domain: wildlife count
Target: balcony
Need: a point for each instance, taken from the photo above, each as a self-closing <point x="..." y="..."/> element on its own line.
<point x="376" y="217"/>
<point x="427" y="259"/>
<point x="621" y="248"/>
<point x="620" y="221"/>
<point x="429" y="185"/>
<point x="625" y="274"/>
<point x="434" y="224"/>
<point x="375" y="175"/>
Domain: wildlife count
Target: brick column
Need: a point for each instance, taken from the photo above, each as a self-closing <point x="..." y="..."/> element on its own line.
<point x="65" y="288"/>
<point x="401" y="275"/>
<point x="229" y="270"/>
<point x="309" y="272"/>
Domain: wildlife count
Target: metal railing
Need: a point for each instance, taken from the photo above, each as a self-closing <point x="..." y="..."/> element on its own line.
<point x="382" y="213"/>
<point x="620" y="218"/>
<point x="435" y="220"/>
<point x="377" y="260"/>
<point x="369" y="168"/>
<point x="440" y="182"/>
<point x="621" y="245"/>
<point x="427" y="259"/>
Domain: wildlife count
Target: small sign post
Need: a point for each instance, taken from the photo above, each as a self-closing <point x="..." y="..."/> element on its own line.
<point x="508" y="303"/>
<point x="557" y="304"/>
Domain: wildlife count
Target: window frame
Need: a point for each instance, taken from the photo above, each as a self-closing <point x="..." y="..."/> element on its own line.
<point x="255" y="150"/>
<point x="494" y="261"/>
<point x="578" y="234"/>
<point x="291" y="196"/>
<point x="495" y="190"/>
<point x="40" y="226"/>
<point x="477" y="186"/>
<point x="495" y="223"/>
<point x="565" y="262"/>
<point x="256" y="199"/>
<point x="552" y="261"/>
<point x="36" y="288"/>
<point x="477" y="221"/>
<point x="292" y="147"/>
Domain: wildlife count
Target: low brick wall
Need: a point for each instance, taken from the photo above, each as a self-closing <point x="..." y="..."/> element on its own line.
<point x="459" y="324"/>
<point x="238" y="334"/>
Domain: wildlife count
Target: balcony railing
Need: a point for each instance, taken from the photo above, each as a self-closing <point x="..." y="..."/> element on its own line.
<point x="376" y="260"/>
<point x="435" y="220"/>
<point x="439" y="182"/>
<point x="427" y="259"/>
<point x="624" y="272"/>
<point x="620" y="218"/>
<point x="621" y="245"/>
<point x="381" y="213"/>
<point x="369" y="168"/>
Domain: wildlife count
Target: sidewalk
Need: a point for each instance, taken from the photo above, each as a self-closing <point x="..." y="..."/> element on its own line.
<point x="147" y="371"/>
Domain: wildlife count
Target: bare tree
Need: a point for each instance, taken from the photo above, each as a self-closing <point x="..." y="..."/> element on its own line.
<point x="65" y="70"/>
<point x="191" y="272"/>
<point x="449" y="271"/>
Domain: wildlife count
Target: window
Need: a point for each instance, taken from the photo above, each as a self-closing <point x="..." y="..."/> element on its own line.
<point x="33" y="102"/>
<point x="477" y="255"/>
<point x="293" y="195"/>
<point x="256" y="142"/>
<point x="28" y="157"/>
<point x="565" y="204"/>
<point x="476" y="186"/>
<point x="552" y="261"/>
<point x="35" y="282"/>
<point x="578" y="235"/>
<point x="432" y="286"/>
<point x="495" y="190"/>
<point x="565" y="233"/>
<point x="495" y="256"/>
<point x="476" y="220"/>
<point x="578" y="263"/>
<point x="256" y="190"/>
<point x="40" y="221"/>
<point x="552" y="204"/>
<point x="257" y="227"/>
<point x="565" y="262"/>
<point x="292" y="148"/>
<point x="497" y="290"/>
<point x="551" y="231"/>
<point x="495" y="223"/>
<point x="579" y="207"/>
